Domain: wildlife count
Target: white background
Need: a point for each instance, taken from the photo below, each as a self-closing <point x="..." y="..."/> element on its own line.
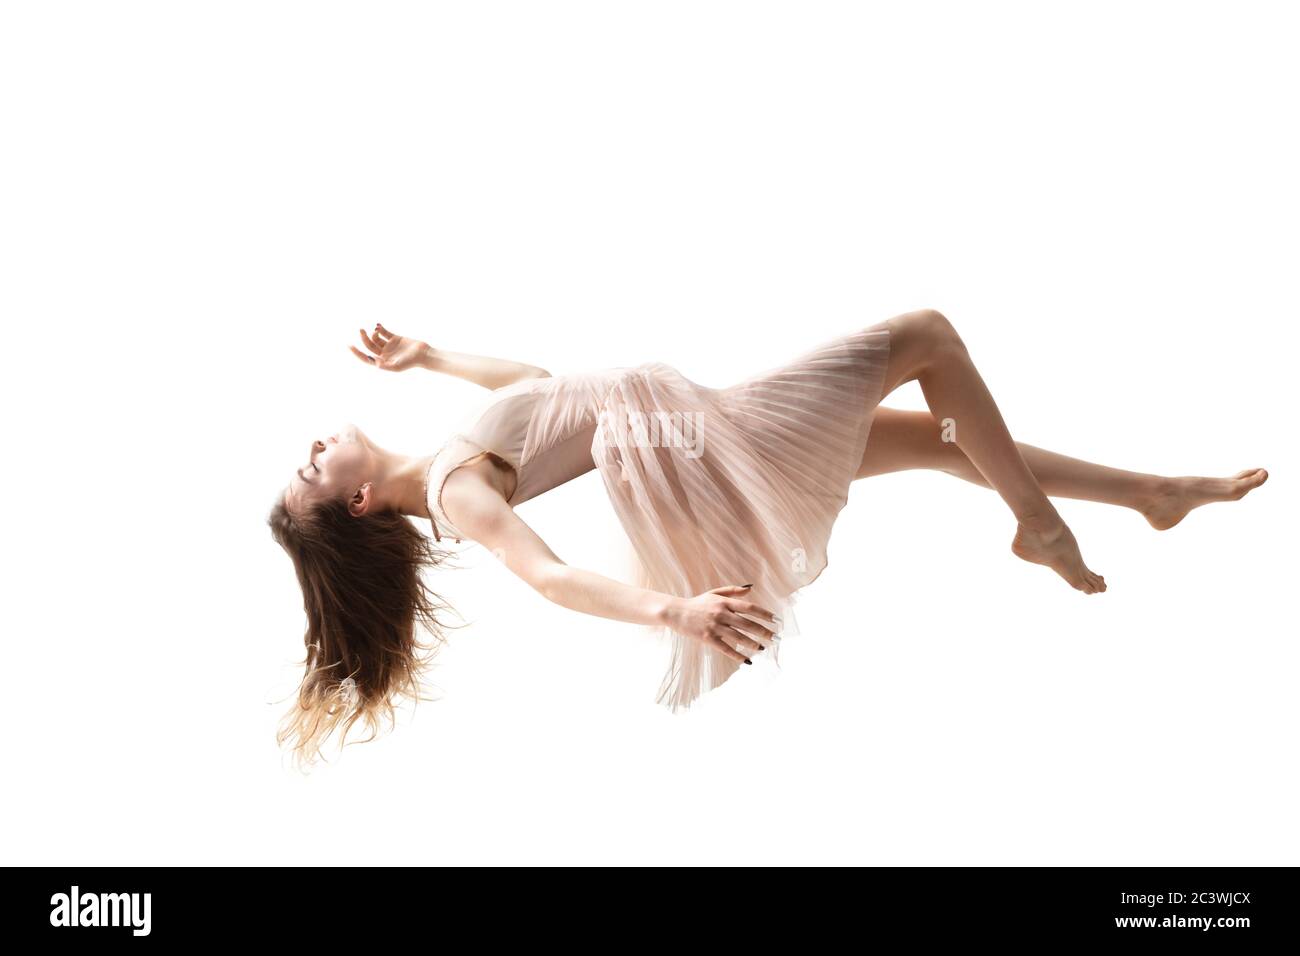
<point x="201" y="203"/>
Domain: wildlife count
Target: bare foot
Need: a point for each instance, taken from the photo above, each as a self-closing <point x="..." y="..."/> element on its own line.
<point x="1177" y="496"/>
<point x="1052" y="544"/>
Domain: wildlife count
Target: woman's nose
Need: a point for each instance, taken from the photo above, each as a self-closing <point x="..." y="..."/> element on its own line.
<point x="317" y="445"/>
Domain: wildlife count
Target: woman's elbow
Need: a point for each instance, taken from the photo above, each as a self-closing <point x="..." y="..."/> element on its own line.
<point x="551" y="582"/>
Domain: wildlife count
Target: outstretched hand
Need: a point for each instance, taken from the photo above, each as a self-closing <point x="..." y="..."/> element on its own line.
<point x="390" y="352"/>
<point x="714" y="617"/>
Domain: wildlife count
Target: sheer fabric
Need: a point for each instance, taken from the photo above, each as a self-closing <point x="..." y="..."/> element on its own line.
<point x="713" y="486"/>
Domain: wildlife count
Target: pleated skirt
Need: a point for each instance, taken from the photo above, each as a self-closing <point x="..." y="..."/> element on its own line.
<point x="737" y="485"/>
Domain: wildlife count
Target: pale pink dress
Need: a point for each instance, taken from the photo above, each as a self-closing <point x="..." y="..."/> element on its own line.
<point x="714" y="486"/>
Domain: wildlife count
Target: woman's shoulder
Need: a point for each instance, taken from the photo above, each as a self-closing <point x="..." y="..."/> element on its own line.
<point x="458" y="452"/>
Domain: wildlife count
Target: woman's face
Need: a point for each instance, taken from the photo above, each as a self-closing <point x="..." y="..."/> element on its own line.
<point x="335" y="467"/>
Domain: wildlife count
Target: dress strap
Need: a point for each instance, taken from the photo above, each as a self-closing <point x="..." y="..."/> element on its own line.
<point x="437" y="535"/>
<point x="432" y="520"/>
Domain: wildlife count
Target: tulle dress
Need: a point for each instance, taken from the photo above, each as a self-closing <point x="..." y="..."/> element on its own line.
<point x="713" y="486"/>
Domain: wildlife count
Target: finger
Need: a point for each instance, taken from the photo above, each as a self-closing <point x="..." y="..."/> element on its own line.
<point x="732" y="589"/>
<point x="750" y="628"/>
<point x="368" y="359"/>
<point x="730" y="651"/>
<point x="371" y="343"/>
<point x="380" y="327"/>
<point x="748" y="607"/>
<point x="380" y="335"/>
<point x="743" y="642"/>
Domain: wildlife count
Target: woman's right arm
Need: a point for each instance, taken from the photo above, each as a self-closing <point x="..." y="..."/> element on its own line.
<point x="397" y="353"/>
<point x="714" y="617"/>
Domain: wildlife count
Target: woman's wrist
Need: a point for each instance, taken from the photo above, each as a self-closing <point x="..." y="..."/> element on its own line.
<point x="665" y="610"/>
<point x="428" y="357"/>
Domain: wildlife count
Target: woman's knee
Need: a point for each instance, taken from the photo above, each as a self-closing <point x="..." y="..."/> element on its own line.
<point x="933" y="326"/>
<point x="925" y="333"/>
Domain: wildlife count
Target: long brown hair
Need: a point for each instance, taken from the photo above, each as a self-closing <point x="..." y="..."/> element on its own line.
<point x="366" y="599"/>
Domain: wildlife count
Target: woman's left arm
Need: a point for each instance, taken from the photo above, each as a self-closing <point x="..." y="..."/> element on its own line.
<point x="716" y="618"/>
<point x="397" y="353"/>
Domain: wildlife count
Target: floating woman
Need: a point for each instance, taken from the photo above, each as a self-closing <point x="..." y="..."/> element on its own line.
<point x="728" y="496"/>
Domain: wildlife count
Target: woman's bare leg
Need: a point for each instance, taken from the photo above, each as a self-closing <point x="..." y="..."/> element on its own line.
<point x="926" y="348"/>
<point x="904" y="440"/>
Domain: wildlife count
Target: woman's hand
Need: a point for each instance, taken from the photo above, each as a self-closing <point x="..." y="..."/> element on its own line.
<point x="714" y="617"/>
<point x="392" y="353"/>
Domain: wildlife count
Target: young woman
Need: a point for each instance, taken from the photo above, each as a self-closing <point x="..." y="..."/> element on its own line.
<point x="728" y="496"/>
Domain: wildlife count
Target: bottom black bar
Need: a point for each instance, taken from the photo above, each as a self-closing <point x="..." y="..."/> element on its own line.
<point x="819" y="906"/>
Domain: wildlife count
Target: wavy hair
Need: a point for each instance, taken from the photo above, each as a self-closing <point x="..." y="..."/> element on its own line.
<point x="366" y="600"/>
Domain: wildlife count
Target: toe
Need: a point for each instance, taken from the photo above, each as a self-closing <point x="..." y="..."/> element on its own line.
<point x="1247" y="481"/>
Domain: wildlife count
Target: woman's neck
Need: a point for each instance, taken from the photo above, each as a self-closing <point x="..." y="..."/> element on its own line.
<point x="401" y="482"/>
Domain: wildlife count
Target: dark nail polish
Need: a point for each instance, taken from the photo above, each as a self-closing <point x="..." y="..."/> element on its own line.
<point x="748" y="661"/>
<point x="747" y="585"/>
